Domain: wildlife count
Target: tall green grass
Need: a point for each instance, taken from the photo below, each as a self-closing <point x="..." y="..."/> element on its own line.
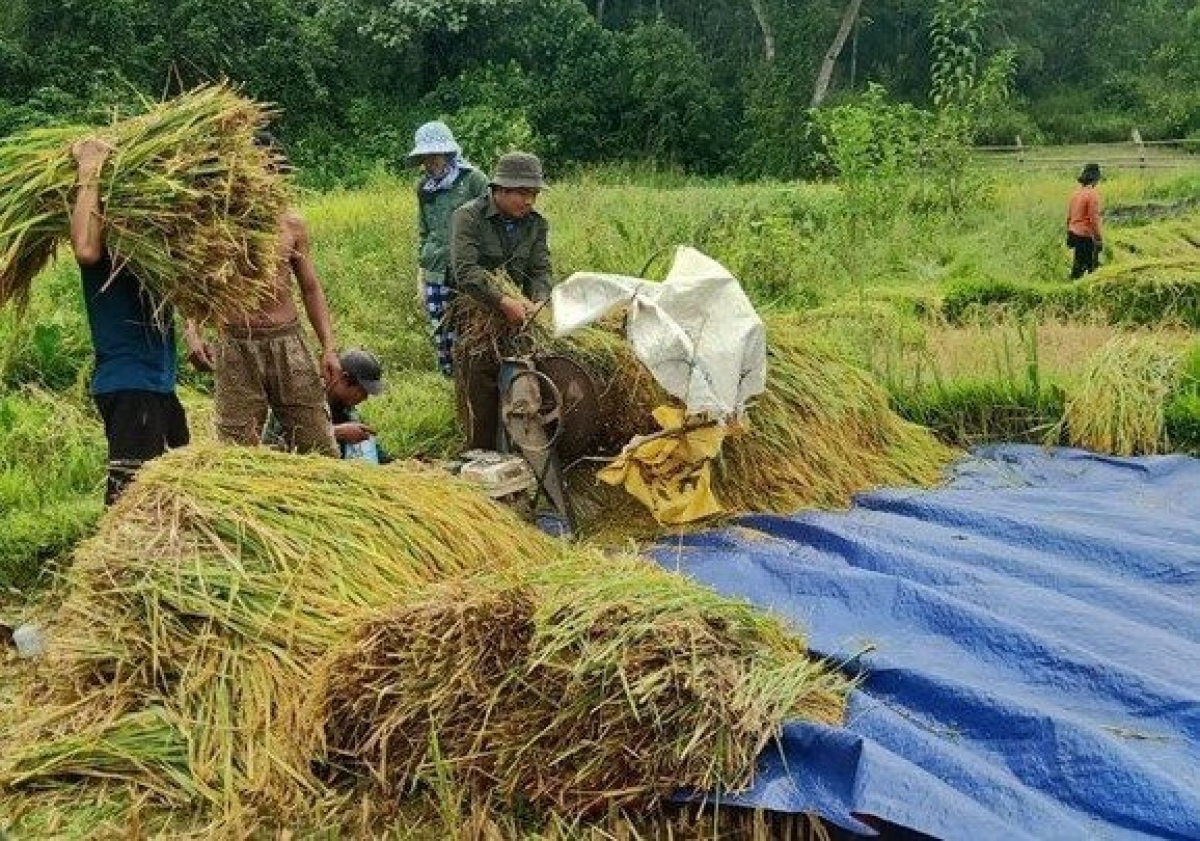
<point x="415" y="417"/>
<point x="47" y="343"/>
<point x="51" y="471"/>
<point x="791" y="244"/>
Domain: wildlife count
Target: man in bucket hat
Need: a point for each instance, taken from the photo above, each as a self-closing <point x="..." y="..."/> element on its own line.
<point x="1083" y="223"/>
<point x="499" y="231"/>
<point x="448" y="182"/>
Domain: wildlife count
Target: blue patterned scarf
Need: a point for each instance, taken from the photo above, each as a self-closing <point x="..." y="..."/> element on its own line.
<point x="446" y="180"/>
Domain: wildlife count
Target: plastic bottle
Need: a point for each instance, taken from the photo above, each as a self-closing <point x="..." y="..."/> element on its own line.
<point x="29" y="640"/>
<point x="367" y="451"/>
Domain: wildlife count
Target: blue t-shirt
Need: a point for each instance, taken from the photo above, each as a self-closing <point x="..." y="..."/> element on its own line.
<point x="134" y="350"/>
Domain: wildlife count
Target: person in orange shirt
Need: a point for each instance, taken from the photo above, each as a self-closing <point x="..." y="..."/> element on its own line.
<point x="1083" y="223"/>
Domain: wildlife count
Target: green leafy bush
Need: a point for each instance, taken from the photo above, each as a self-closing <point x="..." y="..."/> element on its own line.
<point x="780" y="135"/>
<point x="675" y="112"/>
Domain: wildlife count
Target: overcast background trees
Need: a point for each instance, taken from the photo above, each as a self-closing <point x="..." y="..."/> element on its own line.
<point x="711" y="86"/>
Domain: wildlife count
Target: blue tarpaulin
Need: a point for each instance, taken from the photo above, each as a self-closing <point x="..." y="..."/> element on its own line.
<point x="1028" y="638"/>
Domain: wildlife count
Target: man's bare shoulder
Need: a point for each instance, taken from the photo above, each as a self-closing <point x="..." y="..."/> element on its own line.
<point x="292" y="221"/>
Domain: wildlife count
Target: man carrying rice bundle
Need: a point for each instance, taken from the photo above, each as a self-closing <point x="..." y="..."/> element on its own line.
<point x="133" y="384"/>
<point x="497" y="231"/>
<point x="261" y="361"/>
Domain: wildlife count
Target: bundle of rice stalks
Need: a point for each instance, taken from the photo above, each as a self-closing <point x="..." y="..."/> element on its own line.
<point x="821" y="432"/>
<point x="191" y="203"/>
<point x="1149" y="293"/>
<point x="144" y="744"/>
<point x="1118" y="404"/>
<point x="213" y="587"/>
<point x="580" y="686"/>
<point x="625" y="390"/>
<point x="1175" y="238"/>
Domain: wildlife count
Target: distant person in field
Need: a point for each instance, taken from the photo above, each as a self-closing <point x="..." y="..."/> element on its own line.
<point x="133" y="336"/>
<point x="261" y="361"/>
<point x="500" y="230"/>
<point x="1084" y="234"/>
<point x="448" y="181"/>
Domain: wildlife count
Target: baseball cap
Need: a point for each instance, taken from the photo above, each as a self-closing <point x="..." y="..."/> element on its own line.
<point x="364" y="369"/>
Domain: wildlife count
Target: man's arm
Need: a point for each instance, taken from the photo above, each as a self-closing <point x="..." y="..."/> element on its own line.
<point x="200" y="352"/>
<point x="540" y="273"/>
<point x="313" y="295"/>
<point x="422" y="236"/>
<point x="87" y="224"/>
<point x="352" y="432"/>
<point x="472" y="278"/>
<point x="1095" y="213"/>
<point x="422" y="222"/>
<point x="469" y="276"/>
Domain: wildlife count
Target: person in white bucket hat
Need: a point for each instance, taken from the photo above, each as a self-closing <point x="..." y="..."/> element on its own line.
<point x="447" y="182"/>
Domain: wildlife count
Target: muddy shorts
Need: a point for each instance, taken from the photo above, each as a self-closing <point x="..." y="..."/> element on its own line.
<point x="270" y="369"/>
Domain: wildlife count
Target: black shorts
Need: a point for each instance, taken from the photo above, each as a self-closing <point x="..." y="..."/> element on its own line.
<point x="138" y="425"/>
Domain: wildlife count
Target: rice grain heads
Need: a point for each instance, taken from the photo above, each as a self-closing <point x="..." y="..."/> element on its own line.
<point x="191" y="204"/>
<point x="588" y="684"/>
<point x="208" y="594"/>
<point x="821" y="432"/>
<point x="1119" y="404"/>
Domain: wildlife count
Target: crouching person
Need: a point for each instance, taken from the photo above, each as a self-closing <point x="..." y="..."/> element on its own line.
<point x="360" y="378"/>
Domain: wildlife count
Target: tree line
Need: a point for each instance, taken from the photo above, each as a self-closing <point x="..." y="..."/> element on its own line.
<point x="712" y="86"/>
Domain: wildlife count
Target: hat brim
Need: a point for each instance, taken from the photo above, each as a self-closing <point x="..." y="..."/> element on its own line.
<point x="414" y="157"/>
<point x="519" y="183"/>
<point x="371" y="387"/>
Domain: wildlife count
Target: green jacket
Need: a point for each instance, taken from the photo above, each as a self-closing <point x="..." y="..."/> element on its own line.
<point x="480" y="244"/>
<point x="434" y="212"/>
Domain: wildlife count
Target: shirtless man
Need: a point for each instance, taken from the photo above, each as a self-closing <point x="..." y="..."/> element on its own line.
<point x="262" y="363"/>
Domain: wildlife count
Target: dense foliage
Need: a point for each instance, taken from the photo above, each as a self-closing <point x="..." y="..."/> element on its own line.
<point x="708" y="86"/>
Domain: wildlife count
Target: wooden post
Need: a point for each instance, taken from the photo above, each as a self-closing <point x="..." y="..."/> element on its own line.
<point x="1137" y="139"/>
<point x="1020" y="151"/>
